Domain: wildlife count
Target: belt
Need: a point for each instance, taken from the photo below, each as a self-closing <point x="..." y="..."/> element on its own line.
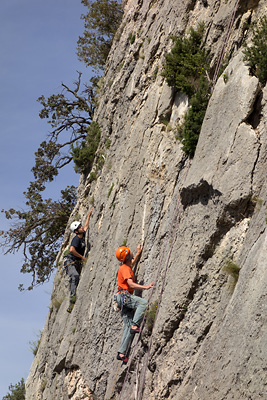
<point x="123" y="291"/>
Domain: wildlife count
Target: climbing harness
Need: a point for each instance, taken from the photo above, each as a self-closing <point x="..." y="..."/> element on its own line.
<point x="124" y="293"/>
<point x="64" y="266"/>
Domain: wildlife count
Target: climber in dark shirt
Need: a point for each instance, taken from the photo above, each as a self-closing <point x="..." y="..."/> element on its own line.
<point x="77" y="247"/>
<point x="73" y="261"/>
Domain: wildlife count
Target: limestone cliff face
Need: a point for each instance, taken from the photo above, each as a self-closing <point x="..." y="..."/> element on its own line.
<point x="209" y="339"/>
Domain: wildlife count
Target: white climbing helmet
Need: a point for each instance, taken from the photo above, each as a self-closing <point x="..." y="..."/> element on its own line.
<point x="74" y="225"/>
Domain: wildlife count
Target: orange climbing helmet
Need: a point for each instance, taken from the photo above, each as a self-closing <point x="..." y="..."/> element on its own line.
<point x="122" y="252"/>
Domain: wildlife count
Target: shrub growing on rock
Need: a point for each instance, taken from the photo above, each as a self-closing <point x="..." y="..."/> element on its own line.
<point x="256" y="54"/>
<point x="187" y="62"/>
<point x="84" y="153"/>
<point x="151" y="315"/>
<point x="232" y="269"/>
<point x="193" y="120"/>
<point x="186" y="68"/>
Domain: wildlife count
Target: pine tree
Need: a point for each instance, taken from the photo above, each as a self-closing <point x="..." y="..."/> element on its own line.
<point x="17" y="391"/>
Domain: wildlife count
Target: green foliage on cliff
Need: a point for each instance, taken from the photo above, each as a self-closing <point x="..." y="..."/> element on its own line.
<point x="186" y="69"/>
<point x="83" y="154"/>
<point x="69" y="114"/>
<point x="151" y="315"/>
<point x="256" y="54"/>
<point x="233" y="270"/>
<point x="194" y="117"/>
<point x="38" y="231"/>
<point x="17" y="391"/>
<point x="187" y="62"/>
<point x="34" y="344"/>
<point x="101" y="23"/>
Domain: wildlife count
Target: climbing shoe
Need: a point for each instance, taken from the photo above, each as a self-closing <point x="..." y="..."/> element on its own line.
<point x="69" y="309"/>
<point x="124" y="359"/>
<point x="135" y="330"/>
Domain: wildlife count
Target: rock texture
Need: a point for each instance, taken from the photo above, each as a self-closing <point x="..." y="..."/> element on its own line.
<point x="193" y="216"/>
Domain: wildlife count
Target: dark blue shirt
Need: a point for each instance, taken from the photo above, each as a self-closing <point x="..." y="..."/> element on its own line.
<point x="79" y="244"/>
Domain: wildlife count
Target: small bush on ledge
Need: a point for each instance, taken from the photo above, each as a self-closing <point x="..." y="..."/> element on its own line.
<point x="84" y="153"/>
<point x="186" y="68"/>
<point x="232" y="269"/>
<point x="256" y="54"/>
<point x="151" y="315"/>
<point x="193" y="120"/>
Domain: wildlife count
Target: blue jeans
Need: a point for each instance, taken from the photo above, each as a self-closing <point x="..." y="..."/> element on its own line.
<point x="132" y="313"/>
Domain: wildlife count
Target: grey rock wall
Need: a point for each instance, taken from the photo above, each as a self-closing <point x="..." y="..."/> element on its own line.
<point x="192" y="217"/>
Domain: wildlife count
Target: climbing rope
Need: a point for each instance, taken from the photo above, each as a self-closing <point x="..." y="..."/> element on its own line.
<point x="230" y="25"/>
<point x="220" y="60"/>
<point x="174" y="229"/>
<point x="114" y="382"/>
<point x="172" y="234"/>
<point x="176" y="221"/>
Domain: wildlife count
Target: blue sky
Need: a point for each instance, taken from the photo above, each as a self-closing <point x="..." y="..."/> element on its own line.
<point x="38" y="51"/>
